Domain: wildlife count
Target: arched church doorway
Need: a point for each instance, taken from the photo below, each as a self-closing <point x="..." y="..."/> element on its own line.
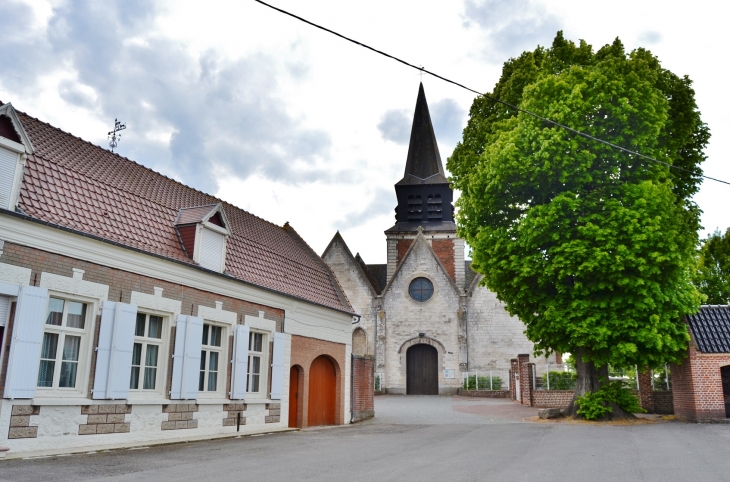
<point x="725" y="373"/>
<point x="322" y="392"/>
<point x="422" y="370"/>
<point x="359" y="342"/>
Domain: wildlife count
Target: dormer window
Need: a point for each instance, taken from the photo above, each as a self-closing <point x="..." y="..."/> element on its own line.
<point x="14" y="147"/>
<point x="203" y="233"/>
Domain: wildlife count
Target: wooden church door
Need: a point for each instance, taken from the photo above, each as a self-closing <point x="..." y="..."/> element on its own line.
<point x="422" y="370"/>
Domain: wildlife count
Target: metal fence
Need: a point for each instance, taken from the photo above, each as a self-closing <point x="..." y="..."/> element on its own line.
<point x="554" y="378"/>
<point x="661" y="379"/>
<point x="485" y="380"/>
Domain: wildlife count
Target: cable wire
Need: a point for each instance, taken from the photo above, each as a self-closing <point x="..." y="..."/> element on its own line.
<point x="493" y="99"/>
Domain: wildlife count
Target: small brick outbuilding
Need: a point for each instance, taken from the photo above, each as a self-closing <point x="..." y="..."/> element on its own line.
<point x="702" y="381"/>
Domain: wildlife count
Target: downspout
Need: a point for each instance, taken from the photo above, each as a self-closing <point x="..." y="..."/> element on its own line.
<point x="352" y="388"/>
<point x="466" y="323"/>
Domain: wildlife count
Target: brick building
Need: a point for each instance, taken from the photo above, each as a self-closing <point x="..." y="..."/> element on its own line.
<point x="701" y="384"/>
<point x="135" y="309"/>
<point x="425" y="319"/>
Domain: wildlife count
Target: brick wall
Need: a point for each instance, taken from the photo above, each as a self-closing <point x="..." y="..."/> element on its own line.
<point x="444" y="249"/>
<point x="485" y="393"/>
<point x="402" y="247"/>
<point x="663" y="402"/>
<point x="363" y="387"/>
<point x="552" y="398"/>
<point x="303" y="352"/>
<point x="121" y="284"/>
<point x="646" y="393"/>
<point x="697" y="387"/>
<point x="525" y="370"/>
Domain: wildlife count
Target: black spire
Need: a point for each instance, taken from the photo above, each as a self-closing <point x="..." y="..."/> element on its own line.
<point x="424" y="194"/>
<point x="423" y="165"/>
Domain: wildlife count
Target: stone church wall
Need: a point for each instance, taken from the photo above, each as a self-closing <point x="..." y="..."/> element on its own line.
<point x="358" y="292"/>
<point x="495" y="337"/>
<point x="436" y="318"/>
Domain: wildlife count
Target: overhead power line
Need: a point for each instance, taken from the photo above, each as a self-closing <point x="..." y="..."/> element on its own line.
<point x="493" y="99"/>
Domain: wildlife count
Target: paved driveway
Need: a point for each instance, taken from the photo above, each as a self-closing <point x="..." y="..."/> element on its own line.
<point x="430" y="410"/>
<point x="418" y="439"/>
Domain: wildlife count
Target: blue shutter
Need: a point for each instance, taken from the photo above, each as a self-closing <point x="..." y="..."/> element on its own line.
<point x="193" y="345"/>
<point x="240" y="363"/>
<point x="177" y="358"/>
<point x="277" y="366"/>
<point x="186" y="358"/>
<point x="114" y="352"/>
<point x="25" y="347"/>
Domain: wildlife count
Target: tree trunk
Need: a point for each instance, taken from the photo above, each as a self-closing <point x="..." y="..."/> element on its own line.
<point x="589" y="378"/>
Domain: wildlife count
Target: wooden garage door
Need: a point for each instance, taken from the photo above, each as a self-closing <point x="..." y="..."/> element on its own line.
<point x="322" y="388"/>
<point x="422" y="370"/>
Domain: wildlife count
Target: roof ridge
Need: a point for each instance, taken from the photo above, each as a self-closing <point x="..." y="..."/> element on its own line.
<point x="290" y="231"/>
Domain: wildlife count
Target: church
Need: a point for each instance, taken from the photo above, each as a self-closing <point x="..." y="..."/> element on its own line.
<point x="423" y="315"/>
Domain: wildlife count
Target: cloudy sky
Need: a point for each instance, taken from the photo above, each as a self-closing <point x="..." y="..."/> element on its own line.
<point x="293" y="124"/>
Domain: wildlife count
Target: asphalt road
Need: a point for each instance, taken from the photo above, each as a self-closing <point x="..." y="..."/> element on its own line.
<point x="464" y="440"/>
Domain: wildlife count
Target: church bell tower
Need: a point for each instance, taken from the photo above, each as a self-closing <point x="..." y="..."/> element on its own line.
<point x="425" y="200"/>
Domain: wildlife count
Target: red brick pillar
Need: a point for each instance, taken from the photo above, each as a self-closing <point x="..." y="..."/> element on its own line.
<point x="646" y="394"/>
<point x="525" y="370"/>
<point x="514" y="370"/>
<point x="363" y="387"/>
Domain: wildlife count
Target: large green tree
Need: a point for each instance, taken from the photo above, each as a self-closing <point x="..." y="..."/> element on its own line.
<point x="591" y="247"/>
<point x="713" y="272"/>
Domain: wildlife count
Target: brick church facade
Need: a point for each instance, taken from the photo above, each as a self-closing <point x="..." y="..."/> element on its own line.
<point x="424" y="317"/>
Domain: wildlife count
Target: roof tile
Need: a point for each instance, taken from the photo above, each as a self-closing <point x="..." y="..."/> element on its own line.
<point x="81" y="186"/>
<point x="711" y="328"/>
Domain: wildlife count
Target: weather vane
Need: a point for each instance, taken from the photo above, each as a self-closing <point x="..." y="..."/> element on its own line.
<point x="113" y="136"/>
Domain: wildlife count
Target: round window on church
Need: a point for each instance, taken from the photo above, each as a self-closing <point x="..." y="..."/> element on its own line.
<point x="421" y="289"/>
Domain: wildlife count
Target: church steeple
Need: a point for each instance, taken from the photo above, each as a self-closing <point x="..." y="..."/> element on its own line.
<point x="424" y="194"/>
<point x="423" y="164"/>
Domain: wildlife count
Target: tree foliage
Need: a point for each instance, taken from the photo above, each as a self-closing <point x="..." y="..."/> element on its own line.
<point x="592" y="248"/>
<point x="713" y="271"/>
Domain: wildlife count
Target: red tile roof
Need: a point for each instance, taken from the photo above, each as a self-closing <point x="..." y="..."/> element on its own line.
<point x="75" y="184"/>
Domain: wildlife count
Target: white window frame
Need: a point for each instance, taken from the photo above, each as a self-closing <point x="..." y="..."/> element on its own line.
<point x="85" y="348"/>
<point x="223" y="367"/>
<point x="19" y="150"/>
<point x="263" y="391"/>
<point x="259" y="324"/>
<point x="162" y="356"/>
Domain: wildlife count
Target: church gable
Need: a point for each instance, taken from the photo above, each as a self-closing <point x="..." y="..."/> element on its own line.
<point x="421" y="257"/>
<point x="349" y="272"/>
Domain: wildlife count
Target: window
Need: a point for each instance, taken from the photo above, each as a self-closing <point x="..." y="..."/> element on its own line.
<point x="210" y="357"/>
<point x="255" y="362"/>
<point x="64" y="336"/>
<point x="146" y="352"/>
<point x="421" y="289"/>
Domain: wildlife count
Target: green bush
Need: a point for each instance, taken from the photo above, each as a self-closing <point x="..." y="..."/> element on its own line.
<point x="471" y="383"/>
<point x="594" y="405"/>
<point x="377" y="383"/>
<point x="559" y="380"/>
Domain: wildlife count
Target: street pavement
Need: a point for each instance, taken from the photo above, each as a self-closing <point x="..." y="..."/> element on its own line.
<point x="418" y="438"/>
